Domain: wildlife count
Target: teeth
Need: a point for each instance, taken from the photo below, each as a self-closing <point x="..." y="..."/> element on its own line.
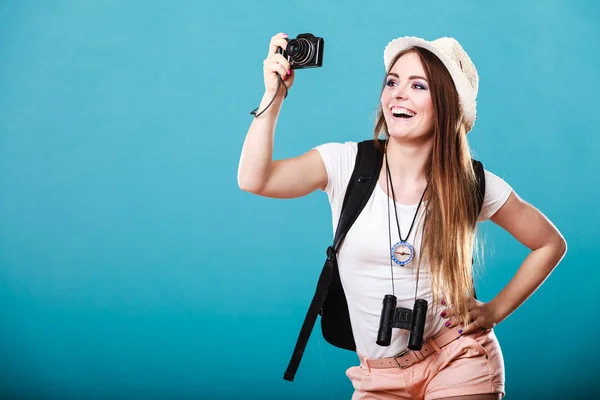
<point x="402" y="111"/>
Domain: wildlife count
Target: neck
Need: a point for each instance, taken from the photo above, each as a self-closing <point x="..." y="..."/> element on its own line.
<point x="408" y="160"/>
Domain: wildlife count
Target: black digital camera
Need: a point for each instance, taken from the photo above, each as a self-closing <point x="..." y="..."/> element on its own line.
<point x="403" y="318"/>
<point x="305" y="51"/>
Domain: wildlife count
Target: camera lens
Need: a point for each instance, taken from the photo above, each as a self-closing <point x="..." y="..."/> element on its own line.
<point x="300" y="50"/>
<point x="293" y="48"/>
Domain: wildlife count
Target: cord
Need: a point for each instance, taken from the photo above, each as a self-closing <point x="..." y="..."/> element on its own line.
<point x="387" y="184"/>
<point x="388" y="179"/>
<point x="279" y="82"/>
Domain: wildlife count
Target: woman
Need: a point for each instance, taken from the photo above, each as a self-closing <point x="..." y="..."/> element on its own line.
<point x="416" y="235"/>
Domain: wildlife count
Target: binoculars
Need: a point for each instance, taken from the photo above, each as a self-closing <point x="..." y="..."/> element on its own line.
<point x="403" y="318"/>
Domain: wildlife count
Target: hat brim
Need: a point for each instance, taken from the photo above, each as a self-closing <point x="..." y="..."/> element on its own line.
<point x="463" y="87"/>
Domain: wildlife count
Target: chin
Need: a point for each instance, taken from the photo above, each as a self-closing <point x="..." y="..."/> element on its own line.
<point x="409" y="135"/>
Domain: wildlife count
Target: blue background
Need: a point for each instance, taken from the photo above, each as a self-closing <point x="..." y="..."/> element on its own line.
<point x="132" y="265"/>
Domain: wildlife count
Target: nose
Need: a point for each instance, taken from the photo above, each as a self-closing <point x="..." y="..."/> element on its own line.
<point x="399" y="92"/>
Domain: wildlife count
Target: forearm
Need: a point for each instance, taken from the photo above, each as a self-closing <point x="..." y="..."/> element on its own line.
<point x="257" y="152"/>
<point x="536" y="267"/>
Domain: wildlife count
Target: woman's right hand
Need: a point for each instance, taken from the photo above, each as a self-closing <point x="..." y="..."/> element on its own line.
<point x="276" y="66"/>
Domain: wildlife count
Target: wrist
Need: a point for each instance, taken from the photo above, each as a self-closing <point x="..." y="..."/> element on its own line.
<point x="497" y="311"/>
<point x="269" y="106"/>
<point x="277" y="97"/>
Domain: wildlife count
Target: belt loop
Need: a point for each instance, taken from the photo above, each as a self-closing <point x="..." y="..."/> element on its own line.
<point x="419" y="355"/>
<point x="434" y="345"/>
<point x="364" y="360"/>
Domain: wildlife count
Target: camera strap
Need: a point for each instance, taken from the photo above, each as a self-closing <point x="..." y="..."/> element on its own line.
<point x="279" y="83"/>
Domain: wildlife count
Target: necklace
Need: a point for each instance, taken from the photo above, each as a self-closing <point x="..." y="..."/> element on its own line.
<point x="402" y="252"/>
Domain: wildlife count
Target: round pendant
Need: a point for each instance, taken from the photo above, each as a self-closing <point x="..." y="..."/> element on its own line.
<point x="402" y="253"/>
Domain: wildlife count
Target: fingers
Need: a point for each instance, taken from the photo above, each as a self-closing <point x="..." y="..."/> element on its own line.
<point x="276" y="67"/>
<point x="448" y="314"/>
<point x="472" y="327"/>
<point x="472" y="304"/>
<point x="452" y="319"/>
<point x="278" y="64"/>
<point x="278" y="58"/>
<point x="278" y="40"/>
<point x="451" y="323"/>
<point x="476" y="319"/>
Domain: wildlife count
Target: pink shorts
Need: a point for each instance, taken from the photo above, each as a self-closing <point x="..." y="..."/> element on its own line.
<point x="471" y="364"/>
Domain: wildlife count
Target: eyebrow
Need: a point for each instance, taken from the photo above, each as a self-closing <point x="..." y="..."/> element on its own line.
<point x="409" y="78"/>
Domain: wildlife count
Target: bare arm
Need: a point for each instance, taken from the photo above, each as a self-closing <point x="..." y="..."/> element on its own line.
<point x="530" y="227"/>
<point x="257" y="152"/>
<point x="257" y="172"/>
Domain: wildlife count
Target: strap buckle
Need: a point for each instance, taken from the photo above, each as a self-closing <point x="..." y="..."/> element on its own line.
<point x="330" y="252"/>
<point x="400" y="355"/>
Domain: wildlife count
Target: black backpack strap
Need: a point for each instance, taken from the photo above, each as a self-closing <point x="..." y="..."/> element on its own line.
<point x="369" y="160"/>
<point x="360" y="186"/>
<point x="480" y="175"/>
<point x="479" y="196"/>
<point x="311" y="316"/>
<point x="336" y="326"/>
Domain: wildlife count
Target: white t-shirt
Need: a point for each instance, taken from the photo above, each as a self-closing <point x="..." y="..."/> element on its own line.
<point x="364" y="257"/>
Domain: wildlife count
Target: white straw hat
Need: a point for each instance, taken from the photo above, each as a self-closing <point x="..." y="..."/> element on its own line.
<point x="456" y="60"/>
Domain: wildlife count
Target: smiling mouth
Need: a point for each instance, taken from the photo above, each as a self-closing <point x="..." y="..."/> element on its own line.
<point x="402" y="113"/>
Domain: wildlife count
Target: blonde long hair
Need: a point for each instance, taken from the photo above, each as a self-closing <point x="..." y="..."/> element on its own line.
<point x="449" y="231"/>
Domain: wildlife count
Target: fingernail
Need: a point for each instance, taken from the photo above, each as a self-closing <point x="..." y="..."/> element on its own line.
<point x="448" y="323"/>
<point x="460" y="331"/>
<point x="443" y="302"/>
<point x="289" y="71"/>
<point x="285" y="35"/>
<point x="444" y="314"/>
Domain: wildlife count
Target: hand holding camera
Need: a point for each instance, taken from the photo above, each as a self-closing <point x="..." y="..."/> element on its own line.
<point x="276" y="66"/>
<point x="284" y="56"/>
